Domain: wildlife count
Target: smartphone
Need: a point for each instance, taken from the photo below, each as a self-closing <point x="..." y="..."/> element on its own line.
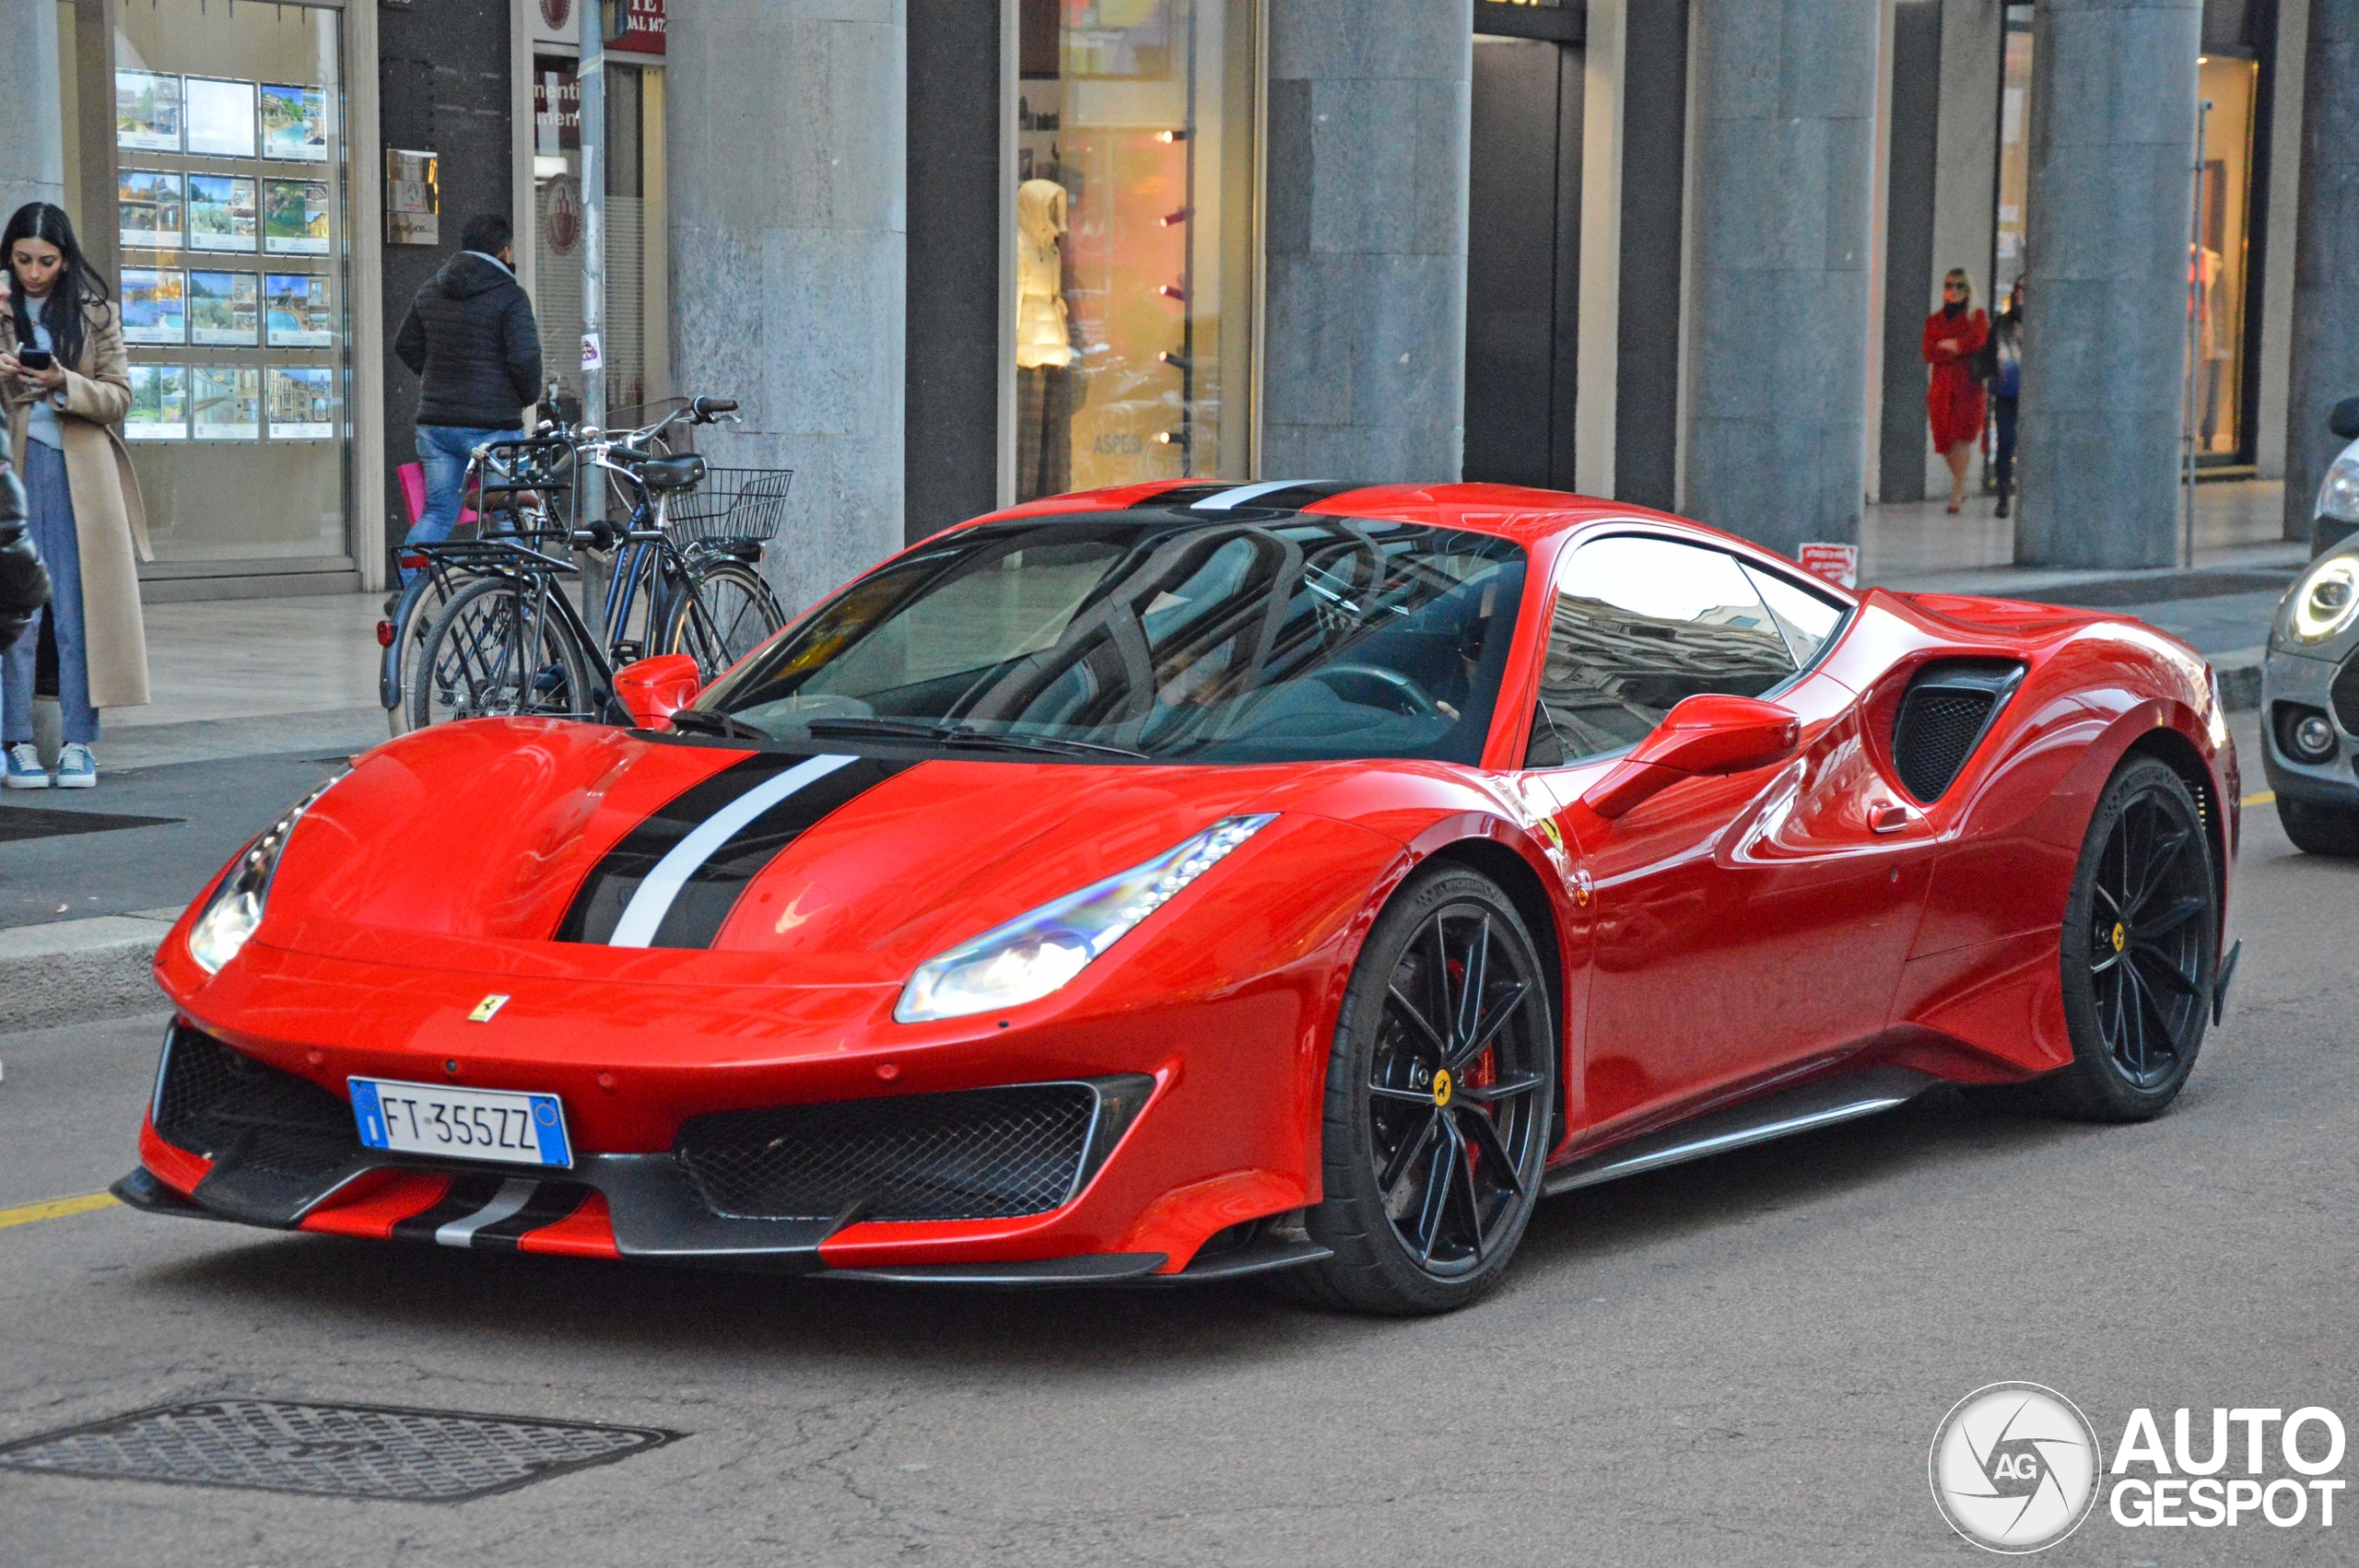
<point x="36" y="359"/>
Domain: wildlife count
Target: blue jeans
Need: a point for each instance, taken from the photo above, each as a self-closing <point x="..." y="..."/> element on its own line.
<point x="442" y="451"/>
<point x="50" y="514"/>
<point x="2002" y="462"/>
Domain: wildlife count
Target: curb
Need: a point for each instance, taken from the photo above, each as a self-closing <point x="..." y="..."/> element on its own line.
<point x="2239" y="673"/>
<point x="69" y="971"/>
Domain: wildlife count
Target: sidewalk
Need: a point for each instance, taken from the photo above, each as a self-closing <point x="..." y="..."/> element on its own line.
<point x="249" y="677"/>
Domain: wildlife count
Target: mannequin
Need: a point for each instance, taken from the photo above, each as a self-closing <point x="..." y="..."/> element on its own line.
<point x="1044" y="351"/>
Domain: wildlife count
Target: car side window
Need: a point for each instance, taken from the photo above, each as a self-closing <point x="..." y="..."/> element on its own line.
<point x="1807" y="618"/>
<point x="1640" y="624"/>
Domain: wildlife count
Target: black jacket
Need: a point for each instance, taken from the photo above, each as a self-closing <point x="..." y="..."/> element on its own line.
<point x="470" y="335"/>
<point x="24" y="582"/>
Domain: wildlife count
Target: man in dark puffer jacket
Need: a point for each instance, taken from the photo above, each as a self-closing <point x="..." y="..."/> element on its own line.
<point x="470" y="335"/>
<point x="24" y="582"/>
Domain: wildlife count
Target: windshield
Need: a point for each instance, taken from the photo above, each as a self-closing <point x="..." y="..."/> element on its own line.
<point x="1176" y="639"/>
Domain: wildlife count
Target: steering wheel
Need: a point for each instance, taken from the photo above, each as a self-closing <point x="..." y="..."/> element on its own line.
<point x="1417" y="701"/>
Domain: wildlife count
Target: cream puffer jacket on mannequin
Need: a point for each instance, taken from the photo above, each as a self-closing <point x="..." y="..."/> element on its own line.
<point x="1042" y="337"/>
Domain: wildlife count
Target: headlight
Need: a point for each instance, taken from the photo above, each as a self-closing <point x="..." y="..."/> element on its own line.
<point x="2339" y="496"/>
<point x="235" y="910"/>
<point x="2325" y="598"/>
<point x="1037" y="953"/>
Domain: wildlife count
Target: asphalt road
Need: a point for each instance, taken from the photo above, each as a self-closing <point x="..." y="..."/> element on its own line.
<point x="1735" y="1362"/>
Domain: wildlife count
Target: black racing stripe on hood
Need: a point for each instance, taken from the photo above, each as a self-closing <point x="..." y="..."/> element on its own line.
<point x="551" y="1201"/>
<point x="467" y="1194"/>
<point x="703" y="905"/>
<point x="599" y="902"/>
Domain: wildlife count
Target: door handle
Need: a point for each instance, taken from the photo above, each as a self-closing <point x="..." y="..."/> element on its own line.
<point x="1889" y="819"/>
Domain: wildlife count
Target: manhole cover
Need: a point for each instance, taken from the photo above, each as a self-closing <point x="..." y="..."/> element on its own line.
<point x="373" y="1451"/>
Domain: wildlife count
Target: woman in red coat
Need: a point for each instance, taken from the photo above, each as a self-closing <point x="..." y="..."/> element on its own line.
<point x="1953" y="335"/>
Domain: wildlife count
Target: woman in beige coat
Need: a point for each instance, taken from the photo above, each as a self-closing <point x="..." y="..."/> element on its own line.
<point x="66" y="381"/>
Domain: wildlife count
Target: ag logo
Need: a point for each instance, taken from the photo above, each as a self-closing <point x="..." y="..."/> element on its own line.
<point x="2015" y="1466"/>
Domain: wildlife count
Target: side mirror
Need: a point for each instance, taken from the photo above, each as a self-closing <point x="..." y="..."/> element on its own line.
<point x="1708" y="733"/>
<point x="2344" y="419"/>
<point x="652" y="690"/>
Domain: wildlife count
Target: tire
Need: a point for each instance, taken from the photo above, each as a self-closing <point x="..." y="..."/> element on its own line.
<point x="2141" y="947"/>
<point x="493" y="652"/>
<point x="412" y="630"/>
<point x="1466" y="1153"/>
<point x="2319" y="830"/>
<point x="740" y="615"/>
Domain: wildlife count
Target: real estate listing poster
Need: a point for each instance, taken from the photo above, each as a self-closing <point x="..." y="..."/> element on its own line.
<point x="295" y="310"/>
<point x="294" y="123"/>
<point x="147" y="112"/>
<point x="221" y="215"/>
<point x="227" y="402"/>
<point x="159" y="403"/>
<point x="302" y="403"/>
<point x="220" y="117"/>
<point x="147" y="207"/>
<point x="155" y="305"/>
<point x="295" y="217"/>
<point x="224" y="309"/>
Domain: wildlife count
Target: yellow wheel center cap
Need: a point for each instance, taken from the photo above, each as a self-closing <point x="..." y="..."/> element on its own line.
<point x="2120" y="937"/>
<point x="1441" y="1087"/>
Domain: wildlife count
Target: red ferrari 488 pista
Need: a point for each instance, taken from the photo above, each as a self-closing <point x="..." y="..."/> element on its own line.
<point x="1193" y="881"/>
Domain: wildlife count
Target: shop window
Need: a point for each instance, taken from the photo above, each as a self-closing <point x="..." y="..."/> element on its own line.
<point x="2218" y="276"/>
<point x="1133" y="238"/>
<point x="230" y="230"/>
<point x="633" y="132"/>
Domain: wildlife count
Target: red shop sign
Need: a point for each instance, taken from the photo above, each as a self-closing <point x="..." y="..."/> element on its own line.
<point x="635" y="26"/>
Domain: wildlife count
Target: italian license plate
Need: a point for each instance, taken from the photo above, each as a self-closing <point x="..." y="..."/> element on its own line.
<point x="466" y="1123"/>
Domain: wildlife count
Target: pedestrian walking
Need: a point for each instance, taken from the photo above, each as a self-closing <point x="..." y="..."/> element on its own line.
<point x="2006" y="387"/>
<point x="1953" y="335"/>
<point x="471" y="337"/>
<point x="66" y="382"/>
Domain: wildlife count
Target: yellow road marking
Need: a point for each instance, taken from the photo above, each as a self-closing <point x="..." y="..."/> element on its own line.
<point x="56" y="1209"/>
<point x="2266" y="797"/>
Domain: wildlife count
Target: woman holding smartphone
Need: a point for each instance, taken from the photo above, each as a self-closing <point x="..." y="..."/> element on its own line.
<point x="66" y="381"/>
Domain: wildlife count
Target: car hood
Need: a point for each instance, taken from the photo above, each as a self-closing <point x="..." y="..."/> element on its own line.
<point x="522" y="844"/>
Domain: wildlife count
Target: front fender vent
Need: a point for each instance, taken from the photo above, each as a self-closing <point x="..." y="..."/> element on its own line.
<point x="1944" y="713"/>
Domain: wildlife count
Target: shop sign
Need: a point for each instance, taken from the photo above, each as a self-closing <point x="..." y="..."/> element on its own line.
<point x="561" y="215"/>
<point x="635" y="26"/>
<point x="412" y="198"/>
<point x="554" y="21"/>
<point x="1837" y="564"/>
<point x="556" y="107"/>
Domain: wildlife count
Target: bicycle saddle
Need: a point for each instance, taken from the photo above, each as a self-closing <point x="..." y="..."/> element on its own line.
<point x="672" y="473"/>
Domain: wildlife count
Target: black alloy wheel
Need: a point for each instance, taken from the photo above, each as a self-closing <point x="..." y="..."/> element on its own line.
<point x="1441" y="1086"/>
<point x="2140" y="946"/>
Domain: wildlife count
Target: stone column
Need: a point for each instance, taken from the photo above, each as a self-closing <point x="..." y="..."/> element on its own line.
<point x="2326" y="257"/>
<point x="789" y="252"/>
<point x="32" y="144"/>
<point x="1364" y="374"/>
<point x="1779" y="336"/>
<point x="2104" y="290"/>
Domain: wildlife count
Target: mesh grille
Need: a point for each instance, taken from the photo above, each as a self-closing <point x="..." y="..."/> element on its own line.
<point x="213" y="1097"/>
<point x="1937" y="730"/>
<point x="2344" y="695"/>
<point x="370" y="1451"/>
<point x="985" y="1154"/>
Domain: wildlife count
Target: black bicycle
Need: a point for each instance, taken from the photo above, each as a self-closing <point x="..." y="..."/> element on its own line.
<point x="681" y="581"/>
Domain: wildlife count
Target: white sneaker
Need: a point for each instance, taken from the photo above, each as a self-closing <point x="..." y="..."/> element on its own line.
<point x="23" y="769"/>
<point x="77" y="768"/>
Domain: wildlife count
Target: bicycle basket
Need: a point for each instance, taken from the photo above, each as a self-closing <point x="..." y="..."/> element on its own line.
<point x="731" y="503"/>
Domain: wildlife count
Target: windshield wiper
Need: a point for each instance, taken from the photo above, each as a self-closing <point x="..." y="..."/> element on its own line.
<point x="705" y="721"/>
<point x="965" y="736"/>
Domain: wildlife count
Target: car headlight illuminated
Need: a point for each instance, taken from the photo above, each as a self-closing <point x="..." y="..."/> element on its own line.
<point x="2339" y="496"/>
<point x="1035" y="953"/>
<point x="2325" y="598"/>
<point x="234" y="912"/>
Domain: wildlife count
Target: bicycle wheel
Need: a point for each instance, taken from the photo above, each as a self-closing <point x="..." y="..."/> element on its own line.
<point x="495" y="651"/>
<point x="413" y="621"/>
<point x="720" y="613"/>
